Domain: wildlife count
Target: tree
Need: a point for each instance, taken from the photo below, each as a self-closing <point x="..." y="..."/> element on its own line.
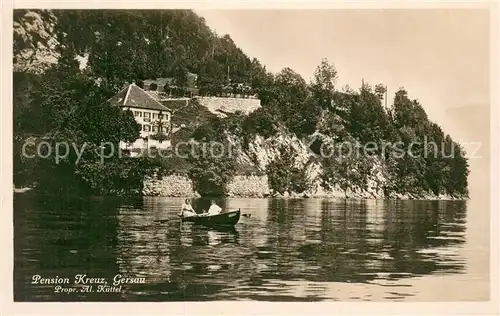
<point x="284" y="173"/>
<point x="260" y="122"/>
<point x="211" y="169"/>
<point x="290" y="98"/>
<point x="380" y="91"/>
<point x="181" y="79"/>
<point x="72" y="109"/>
<point x="369" y="121"/>
<point x="162" y="128"/>
<point x="346" y="166"/>
<point x="323" y="85"/>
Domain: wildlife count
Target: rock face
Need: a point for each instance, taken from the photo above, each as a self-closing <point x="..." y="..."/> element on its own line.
<point x="35" y="42"/>
<point x="262" y="151"/>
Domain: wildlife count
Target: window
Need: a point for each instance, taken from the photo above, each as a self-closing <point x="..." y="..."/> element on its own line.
<point x="147" y="117"/>
<point x="155" y="128"/>
<point x="160" y="116"/>
<point x="146" y="128"/>
<point x="137" y="113"/>
<point x="155" y="115"/>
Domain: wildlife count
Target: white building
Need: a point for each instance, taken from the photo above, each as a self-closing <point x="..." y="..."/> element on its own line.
<point x="154" y="118"/>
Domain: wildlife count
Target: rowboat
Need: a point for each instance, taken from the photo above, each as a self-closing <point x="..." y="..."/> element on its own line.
<point x="230" y="218"/>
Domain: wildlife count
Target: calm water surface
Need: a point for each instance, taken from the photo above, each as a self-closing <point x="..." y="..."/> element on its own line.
<point x="287" y="250"/>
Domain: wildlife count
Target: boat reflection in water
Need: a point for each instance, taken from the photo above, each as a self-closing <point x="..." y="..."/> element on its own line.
<point x="208" y="236"/>
<point x="172" y="255"/>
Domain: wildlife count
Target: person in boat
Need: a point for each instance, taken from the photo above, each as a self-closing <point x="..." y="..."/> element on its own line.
<point x="214" y="209"/>
<point x="187" y="209"/>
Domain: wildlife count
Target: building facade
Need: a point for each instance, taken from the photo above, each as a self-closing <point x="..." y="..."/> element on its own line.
<point x="153" y="117"/>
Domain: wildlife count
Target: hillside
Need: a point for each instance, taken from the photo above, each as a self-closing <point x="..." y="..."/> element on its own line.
<point x="126" y="45"/>
<point x="285" y="138"/>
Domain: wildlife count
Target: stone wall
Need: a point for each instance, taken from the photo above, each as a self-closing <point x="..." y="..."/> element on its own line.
<point x="219" y="105"/>
<point x="257" y="187"/>
<point x="248" y="186"/>
<point x="181" y="186"/>
<point x="171" y="186"/>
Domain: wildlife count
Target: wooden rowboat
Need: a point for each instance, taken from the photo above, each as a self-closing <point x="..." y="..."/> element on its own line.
<point x="230" y="218"/>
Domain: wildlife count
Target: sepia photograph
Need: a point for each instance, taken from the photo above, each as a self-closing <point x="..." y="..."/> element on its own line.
<point x="265" y="155"/>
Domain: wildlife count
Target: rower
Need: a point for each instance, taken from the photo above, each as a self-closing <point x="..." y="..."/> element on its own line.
<point x="214" y="209"/>
<point x="187" y="209"/>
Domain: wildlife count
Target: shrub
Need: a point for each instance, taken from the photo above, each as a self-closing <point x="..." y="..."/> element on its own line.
<point x="284" y="175"/>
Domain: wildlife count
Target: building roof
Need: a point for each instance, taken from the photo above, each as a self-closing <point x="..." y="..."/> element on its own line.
<point x="134" y="97"/>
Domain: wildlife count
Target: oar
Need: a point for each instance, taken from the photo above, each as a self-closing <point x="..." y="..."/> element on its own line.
<point x="166" y="220"/>
<point x="161" y="220"/>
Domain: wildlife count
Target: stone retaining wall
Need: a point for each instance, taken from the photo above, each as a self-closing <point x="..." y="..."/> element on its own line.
<point x="248" y="186"/>
<point x="257" y="187"/>
<point x="181" y="186"/>
<point x="171" y="186"/>
<point x="214" y="104"/>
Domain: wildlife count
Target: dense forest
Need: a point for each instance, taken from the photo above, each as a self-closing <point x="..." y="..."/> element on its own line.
<point x="61" y="101"/>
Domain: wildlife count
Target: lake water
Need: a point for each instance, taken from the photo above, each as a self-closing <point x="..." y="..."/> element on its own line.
<point x="287" y="250"/>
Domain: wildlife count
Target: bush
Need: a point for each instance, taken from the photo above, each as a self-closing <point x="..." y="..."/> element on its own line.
<point x="260" y="122"/>
<point x="159" y="137"/>
<point x="211" y="172"/>
<point x="285" y="176"/>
